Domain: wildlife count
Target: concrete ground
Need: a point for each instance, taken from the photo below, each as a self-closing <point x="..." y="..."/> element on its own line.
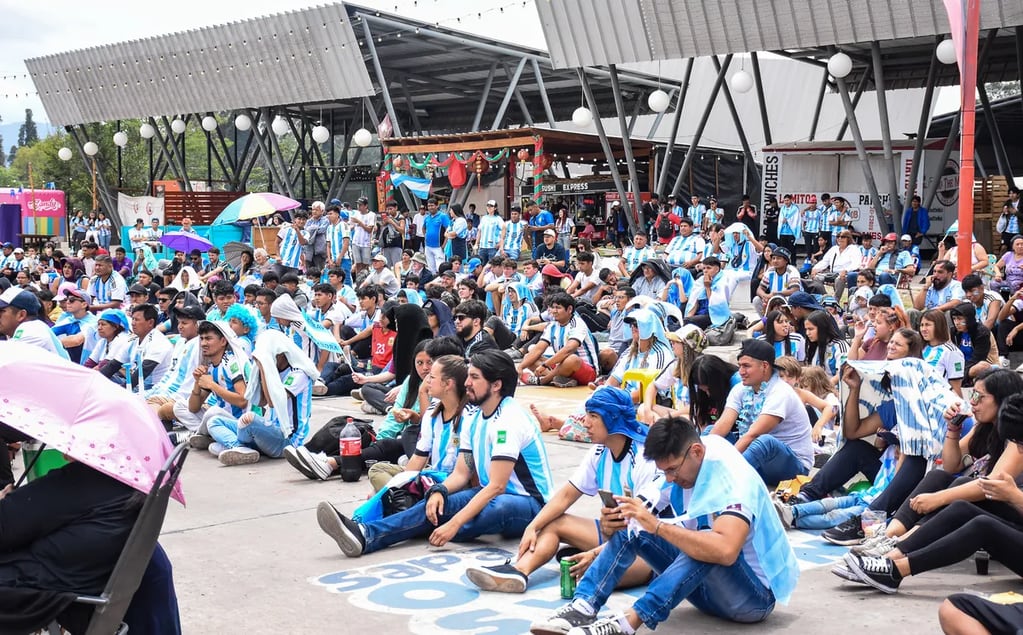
<point x="250" y="558"/>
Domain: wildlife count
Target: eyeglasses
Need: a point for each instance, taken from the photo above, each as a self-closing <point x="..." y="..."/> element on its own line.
<point x="673" y="471"/>
<point x="163" y="300"/>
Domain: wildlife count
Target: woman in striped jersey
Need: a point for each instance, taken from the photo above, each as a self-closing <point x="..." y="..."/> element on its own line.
<point x="939" y="351"/>
<point x="825" y="346"/>
<point x="778" y="332"/>
<point x="649" y="349"/>
<point x="615" y="464"/>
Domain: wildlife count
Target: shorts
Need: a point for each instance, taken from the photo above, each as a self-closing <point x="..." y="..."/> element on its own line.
<point x="585" y="374"/>
<point x="362" y="255"/>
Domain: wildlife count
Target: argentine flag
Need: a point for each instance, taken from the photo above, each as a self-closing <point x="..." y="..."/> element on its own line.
<point x="418" y="187"/>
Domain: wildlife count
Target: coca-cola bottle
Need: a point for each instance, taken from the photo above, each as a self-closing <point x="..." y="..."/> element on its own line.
<point x="350" y="443"/>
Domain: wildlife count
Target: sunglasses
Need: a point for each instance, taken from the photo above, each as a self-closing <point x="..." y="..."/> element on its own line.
<point x="460" y="317"/>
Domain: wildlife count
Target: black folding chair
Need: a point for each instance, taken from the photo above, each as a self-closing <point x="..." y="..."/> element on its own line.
<point x="112" y="603"/>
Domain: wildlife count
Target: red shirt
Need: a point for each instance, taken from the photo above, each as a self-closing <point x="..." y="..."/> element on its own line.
<point x="382" y="347"/>
<point x="673" y="219"/>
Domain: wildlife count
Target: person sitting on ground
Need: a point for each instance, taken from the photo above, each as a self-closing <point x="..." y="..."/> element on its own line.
<point x="940" y="290"/>
<point x="20" y="319"/>
<point x="76" y="327"/>
<point x="825" y="346"/>
<point x="151" y="351"/>
<point x="411" y="327"/>
<point x="779" y="333"/>
<point x="650" y="283"/>
<point x="177" y="382"/>
<point x="503" y="443"/>
<point x="219" y="388"/>
<point x="939" y="350"/>
<point x="988" y="518"/>
<point x="282" y="387"/>
<point x="381" y="276"/>
<point x="469" y="319"/>
<point x="685" y="249"/>
<point x="774" y="429"/>
<point x="781" y="278"/>
<point x="551" y="252"/>
<point x="885" y="323"/>
<point x="634" y="255"/>
<point x="726" y="552"/>
<point x="566" y="353"/>
<point x="708" y="303"/>
<point x="587" y="281"/>
<point x="687" y="344"/>
<point x="987" y="303"/>
<point x="649" y="349"/>
<point x="112" y="348"/>
<point x="616" y="465"/>
<point x="970" y="614"/>
<point x="974" y="341"/>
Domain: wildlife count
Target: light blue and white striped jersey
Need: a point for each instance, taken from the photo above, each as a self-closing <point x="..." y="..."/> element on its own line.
<point x="109" y="290"/>
<point x="291" y="250"/>
<point x="796" y="346"/>
<point x="717" y="252"/>
<point x="659" y="356"/>
<point x="336" y="235"/>
<point x="514" y="318"/>
<point x="229" y="371"/>
<point x="179" y="379"/>
<point x="947" y="358"/>
<point x="634" y="257"/>
<point x="438" y="441"/>
<point x="774" y="282"/>
<point x="682" y="249"/>
<point x="489" y="231"/>
<point x="835" y="215"/>
<point x="788" y="220"/>
<point x="300" y="401"/>
<point x="513" y="235"/>
<point x="825" y="212"/>
<point x="713" y="215"/>
<point x="557" y="336"/>
<point x="600" y="471"/>
<point x="936" y="297"/>
<point x="511" y="434"/>
<point x="153" y="347"/>
<point x="695" y="214"/>
<point x="812" y="220"/>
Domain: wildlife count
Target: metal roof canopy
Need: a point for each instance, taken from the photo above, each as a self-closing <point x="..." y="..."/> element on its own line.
<point x="300" y="56"/>
<point x="1008" y="117"/>
<point x="596" y="32"/>
<point x="556" y="143"/>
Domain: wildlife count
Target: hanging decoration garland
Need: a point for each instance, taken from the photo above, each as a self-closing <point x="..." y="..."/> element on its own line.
<point x="420" y="166"/>
<point x="539" y="158"/>
<point x="500" y="156"/>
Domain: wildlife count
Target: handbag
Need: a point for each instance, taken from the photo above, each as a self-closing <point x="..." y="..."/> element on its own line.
<point x="722" y="335"/>
<point x="401" y="497"/>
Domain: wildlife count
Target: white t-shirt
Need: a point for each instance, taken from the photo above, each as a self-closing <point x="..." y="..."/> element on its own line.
<point x="780" y="401"/>
<point x="119" y="350"/>
<point x="594" y="278"/>
<point x="418" y="221"/>
<point x="361" y="237"/>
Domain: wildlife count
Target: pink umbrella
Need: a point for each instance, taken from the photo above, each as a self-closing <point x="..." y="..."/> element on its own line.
<point x="83" y="414"/>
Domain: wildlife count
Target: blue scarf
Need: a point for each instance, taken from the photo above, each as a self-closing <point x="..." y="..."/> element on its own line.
<point x="615" y="407"/>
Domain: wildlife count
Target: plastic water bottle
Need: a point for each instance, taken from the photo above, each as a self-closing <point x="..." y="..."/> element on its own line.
<point x="350" y="443"/>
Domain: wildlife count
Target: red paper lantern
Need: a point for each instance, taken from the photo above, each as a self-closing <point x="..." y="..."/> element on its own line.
<point x="523" y="155"/>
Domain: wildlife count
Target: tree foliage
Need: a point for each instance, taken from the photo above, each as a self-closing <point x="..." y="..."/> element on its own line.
<point x="28" y="134"/>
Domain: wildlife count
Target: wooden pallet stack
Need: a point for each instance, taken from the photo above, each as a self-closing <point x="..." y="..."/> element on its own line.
<point x="989" y="194"/>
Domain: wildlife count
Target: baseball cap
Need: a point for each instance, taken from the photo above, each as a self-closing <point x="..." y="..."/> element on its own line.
<point x="69" y="290"/>
<point x="616" y="204"/>
<point x="380" y="257"/>
<point x="515" y="208"/>
<point x="19" y="250"/>
<point x="552" y="271"/>
<point x="189" y="312"/>
<point x="907" y="237"/>
<point x="891" y="236"/>
<point x="473" y="263"/>
<point x="20" y="299"/>
<point x="448" y="274"/>
<point x="7" y="246"/>
<point x="804" y="300"/>
<point x="335" y="201"/>
<point x="362" y="200"/>
<point x="491" y="203"/>
<point x="138" y="289"/>
<point x="784" y="253"/>
<point x="759" y="350"/>
<point x="550" y="232"/>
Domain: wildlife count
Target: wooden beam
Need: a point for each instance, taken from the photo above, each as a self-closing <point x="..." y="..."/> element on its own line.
<point x="459" y="146"/>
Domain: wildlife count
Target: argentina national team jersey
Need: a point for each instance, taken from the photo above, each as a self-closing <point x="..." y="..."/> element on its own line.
<point x="658" y="357"/>
<point x="179" y="379"/>
<point x="947" y="359"/>
<point x="634" y="257"/>
<point x="104" y="292"/>
<point x="825" y="216"/>
<point x="514" y="318"/>
<point x="490" y="231"/>
<point x="300" y="401"/>
<point x="438" y="441"/>
<point x="230" y="370"/>
<point x="600" y="471"/>
<point x="509" y="434"/>
<point x="513" y="235"/>
<point x="291" y="250"/>
<point x="812" y="221"/>
<point x="336" y="234"/>
<point x="557" y="336"/>
<point x="775" y="282"/>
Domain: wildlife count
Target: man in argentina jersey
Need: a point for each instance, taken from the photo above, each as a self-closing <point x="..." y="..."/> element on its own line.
<point x="781" y="278"/>
<point x="566" y="354"/>
<point x="220" y="382"/>
<point x="178" y="381"/>
<point x="490" y="229"/>
<point x="291" y="239"/>
<point x="107" y="287"/>
<point x="636" y="254"/>
<point x="709" y="533"/>
<point x="501" y="441"/>
<point x="512" y="234"/>
<point x="616" y="465"/>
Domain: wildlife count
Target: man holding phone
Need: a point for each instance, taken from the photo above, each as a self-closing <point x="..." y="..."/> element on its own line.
<point x="614" y="467"/>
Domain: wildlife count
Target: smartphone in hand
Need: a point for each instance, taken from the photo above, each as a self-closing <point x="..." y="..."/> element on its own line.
<point x="607" y="498"/>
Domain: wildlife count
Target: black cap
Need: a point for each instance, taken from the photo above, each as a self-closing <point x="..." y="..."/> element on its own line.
<point x="189" y="312"/>
<point x="784" y="253"/>
<point x="138" y="289"/>
<point x="362" y="200"/>
<point x="759" y="350"/>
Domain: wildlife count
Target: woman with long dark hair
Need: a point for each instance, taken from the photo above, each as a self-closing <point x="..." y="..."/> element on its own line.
<point x="825" y="346"/>
<point x="778" y="332"/>
<point x="710" y="380"/>
<point x="411" y="327"/>
<point x="758" y="270"/>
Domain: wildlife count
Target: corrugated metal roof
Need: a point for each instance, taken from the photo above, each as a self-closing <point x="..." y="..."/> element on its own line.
<point x="601" y="32"/>
<point x="297" y="57"/>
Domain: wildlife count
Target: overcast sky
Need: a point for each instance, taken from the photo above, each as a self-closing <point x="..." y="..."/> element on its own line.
<point x="28" y="30"/>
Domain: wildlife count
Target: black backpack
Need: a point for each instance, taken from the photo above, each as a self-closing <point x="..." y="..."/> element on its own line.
<point x="664" y="227"/>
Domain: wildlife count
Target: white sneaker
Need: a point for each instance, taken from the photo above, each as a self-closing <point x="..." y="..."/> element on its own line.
<point x="369" y="409"/>
<point x="1003" y="361"/>
<point x="875" y="547"/>
<point x="239" y="456"/>
<point x="1019" y="369"/>
<point x="315" y="462"/>
<point x="216" y="448"/>
<point x="319" y="388"/>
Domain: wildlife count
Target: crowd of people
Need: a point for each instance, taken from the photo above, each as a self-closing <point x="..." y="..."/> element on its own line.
<point x="846" y="365"/>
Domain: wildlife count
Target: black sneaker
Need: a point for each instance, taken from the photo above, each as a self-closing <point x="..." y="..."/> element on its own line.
<point x="561" y="621"/>
<point x="345" y="531"/>
<point x="503" y="578"/>
<point x="879" y="573"/>
<point x="607" y="626"/>
<point x="847" y="534"/>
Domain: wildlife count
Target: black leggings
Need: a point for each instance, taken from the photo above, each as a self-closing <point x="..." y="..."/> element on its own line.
<point x="957" y="532"/>
<point x="933" y="481"/>
<point x="908" y="477"/>
<point x="854" y="457"/>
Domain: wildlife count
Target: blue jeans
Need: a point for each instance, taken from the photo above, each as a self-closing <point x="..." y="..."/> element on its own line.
<point x="486" y="253"/>
<point x="510" y="253"/>
<point x="507" y="515"/>
<point x="827" y="512"/>
<point x="733" y="593"/>
<point x="887" y="278"/>
<point x="773" y="460"/>
<point x="346" y="266"/>
<point x="261" y="434"/>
